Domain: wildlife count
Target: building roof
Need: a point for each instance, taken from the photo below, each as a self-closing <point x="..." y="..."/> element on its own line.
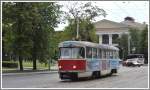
<point x="109" y="24"/>
<point x="105" y="24"/>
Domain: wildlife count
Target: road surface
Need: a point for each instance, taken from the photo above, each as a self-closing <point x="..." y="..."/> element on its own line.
<point x="127" y="77"/>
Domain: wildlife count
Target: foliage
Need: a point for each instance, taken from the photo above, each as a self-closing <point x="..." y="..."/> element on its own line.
<point x="9" y="64"/>
<point x="43" y="29"/>
<point x="82" y="15"/>
<point x="7" y="33"/>
<point x="28" y="28"/>
<point x="123" y="45"/>
<point x="138" y="43"/>
<point x="144" y="43"/>
<point x="86" y="31"/>
<point x="134" y="40"/>
<point x="83" y="11"/>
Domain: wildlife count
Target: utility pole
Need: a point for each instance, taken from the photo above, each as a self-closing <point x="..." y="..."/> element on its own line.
<point x="77" y="29"/>
<point x="128" y="44"/>
<point x="49" y="65"/>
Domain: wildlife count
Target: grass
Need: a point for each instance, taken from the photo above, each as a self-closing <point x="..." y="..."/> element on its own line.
<point x="39" y="65"/>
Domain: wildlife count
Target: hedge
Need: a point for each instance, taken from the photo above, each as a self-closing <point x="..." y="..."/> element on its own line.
<point x="9" y="64"/>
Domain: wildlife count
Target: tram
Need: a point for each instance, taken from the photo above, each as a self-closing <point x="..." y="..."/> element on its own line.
<point x="85" y="59"/>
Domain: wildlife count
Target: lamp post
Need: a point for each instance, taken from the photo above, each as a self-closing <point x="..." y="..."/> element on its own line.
<point x="77" y="29"/>
<point x="49" y="64"/>
<point x="129" y="38"/>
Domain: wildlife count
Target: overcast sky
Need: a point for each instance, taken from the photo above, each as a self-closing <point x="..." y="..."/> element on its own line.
<point x="116" y="10"/>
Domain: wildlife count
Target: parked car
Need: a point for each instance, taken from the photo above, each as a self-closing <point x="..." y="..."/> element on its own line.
<point x="134" y="60"/>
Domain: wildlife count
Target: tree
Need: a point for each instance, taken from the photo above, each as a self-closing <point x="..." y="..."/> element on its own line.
<point x="43" y="29"/>
<point x="123" y="45"/>
<point x="7" y="34"/>
<point x="28" y="30"/>
<point x="144" y="43"/>
<point x="21" y="29"/>
<point x="80" y="18"/>
<point x="86" y="31"/>
<point x="138" y="42"/>
<point x="134" y="40"/>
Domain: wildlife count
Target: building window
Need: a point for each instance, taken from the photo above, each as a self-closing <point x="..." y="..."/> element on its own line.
<point x="105" y="39"/>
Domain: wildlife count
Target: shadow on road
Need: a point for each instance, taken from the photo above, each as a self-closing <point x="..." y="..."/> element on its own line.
<point x="84" y="79"/>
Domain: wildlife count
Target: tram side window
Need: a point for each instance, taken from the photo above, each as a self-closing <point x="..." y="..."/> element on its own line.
<point x="82" y="52"/>
<point x="94" y="53"/>
<point x="117" y="54"/>
<point x="107" y="54"/>
<point x="99" y="53"/>
<point x="114" y="55"/>
<point x="88" y="52"/>
<point x="111" y="55"/>
<point x="104" y="53"/>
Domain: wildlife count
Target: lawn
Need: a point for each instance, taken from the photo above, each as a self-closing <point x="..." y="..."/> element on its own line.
<point x="28" y="64"/>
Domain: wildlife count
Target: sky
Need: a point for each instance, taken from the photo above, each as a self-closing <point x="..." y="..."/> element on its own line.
<point x="116" y="10"/>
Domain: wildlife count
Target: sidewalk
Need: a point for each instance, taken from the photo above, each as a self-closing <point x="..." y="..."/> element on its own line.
<point x="25" y="72"/>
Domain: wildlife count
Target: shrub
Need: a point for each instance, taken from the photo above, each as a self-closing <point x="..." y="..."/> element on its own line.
<point x="9" y="64"/>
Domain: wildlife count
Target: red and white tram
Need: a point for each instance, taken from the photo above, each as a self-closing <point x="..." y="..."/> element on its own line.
<point x="85" y="59"/>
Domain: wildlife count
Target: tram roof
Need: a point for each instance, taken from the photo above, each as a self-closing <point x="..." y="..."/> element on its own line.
<point x="85" y="43"/>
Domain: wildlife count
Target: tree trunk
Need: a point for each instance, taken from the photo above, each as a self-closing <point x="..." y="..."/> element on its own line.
<point x="20" y="63"/>
<point x="34" y="63"/>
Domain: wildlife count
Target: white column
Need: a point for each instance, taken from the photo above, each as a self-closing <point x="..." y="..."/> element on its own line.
<point x="119" y="35"/>
<point x="100" y="38"/>
<point x="110" y="39"/>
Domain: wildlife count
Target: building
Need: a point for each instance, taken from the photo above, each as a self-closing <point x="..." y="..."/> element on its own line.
<point x="108" y="31"/>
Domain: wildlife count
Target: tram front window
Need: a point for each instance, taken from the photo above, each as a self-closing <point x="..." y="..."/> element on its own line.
<point x="72" y="53"/>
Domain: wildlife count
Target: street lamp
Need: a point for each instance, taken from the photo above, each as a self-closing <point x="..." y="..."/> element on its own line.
<point x="129" y="38"/>
<point x="77" y="28"/>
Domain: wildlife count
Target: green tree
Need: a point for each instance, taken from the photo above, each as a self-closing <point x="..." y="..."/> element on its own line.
<point x="7" y="34"/>
<point x="134" y="40"/>
<point x="86" y="31"/>
<point x="43" y="29"/>
<point x="28" y="30"/>
<point x="80" y="18"/>
<point x="138" y="42"/>
<point x="123" y="45"/>
<point x="21" y="29"/>
<point x="144" y="43"/>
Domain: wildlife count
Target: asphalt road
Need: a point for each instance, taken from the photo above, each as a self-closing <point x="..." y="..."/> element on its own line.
<point x="127" y="77"/>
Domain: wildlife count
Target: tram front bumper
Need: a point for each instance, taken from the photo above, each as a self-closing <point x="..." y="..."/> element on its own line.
<point x="68" y="75"/>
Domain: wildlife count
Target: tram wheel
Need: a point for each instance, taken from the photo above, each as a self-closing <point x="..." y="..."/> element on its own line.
<point x="74" y="77"/>
<point x="96" y="74"/>
<point x="114" y="71"/>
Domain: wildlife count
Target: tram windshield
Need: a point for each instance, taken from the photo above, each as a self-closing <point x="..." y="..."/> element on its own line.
<point x="67" y="52"/>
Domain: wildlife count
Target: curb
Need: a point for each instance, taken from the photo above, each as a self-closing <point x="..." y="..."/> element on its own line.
<point x="29" y="73"/>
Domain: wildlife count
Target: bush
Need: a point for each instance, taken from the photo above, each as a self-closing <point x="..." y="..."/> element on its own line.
<point x="9" y="64"/>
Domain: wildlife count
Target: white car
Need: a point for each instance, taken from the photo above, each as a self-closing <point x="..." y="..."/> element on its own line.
<point x="134" y="60"/>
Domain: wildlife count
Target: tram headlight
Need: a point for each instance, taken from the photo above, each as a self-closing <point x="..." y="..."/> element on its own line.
<point x="60" y="67"/>
<point x="74" y="66"/>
